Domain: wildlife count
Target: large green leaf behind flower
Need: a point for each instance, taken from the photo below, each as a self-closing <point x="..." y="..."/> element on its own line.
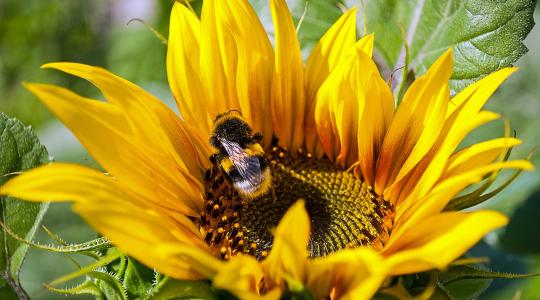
<point x="485" y="35"/>
<point x="19" y="150"/>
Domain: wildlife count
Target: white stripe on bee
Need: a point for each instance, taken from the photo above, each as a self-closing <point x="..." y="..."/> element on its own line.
<point x="247" y="186"/>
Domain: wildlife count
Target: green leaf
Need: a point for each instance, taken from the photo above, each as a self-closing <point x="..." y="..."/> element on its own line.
<point x="109" y="284"/>
<point x="176" y="289"/>
<point x="88" y="248"/>
<point x="20" y="150"/>
<point x="137" y="278"/>
<point x="460" y="272"/>
<point x="103" y="261"/>
<point x="318" y="16"/>
<point x="485" y="35"/>
<point x="88" y="287"/>
<point x="466" y="289"/>
<point x="441" y="293"/>
<point x="470" y="281"/>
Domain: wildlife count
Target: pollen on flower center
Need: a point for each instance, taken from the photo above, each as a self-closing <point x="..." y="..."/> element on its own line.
<point x="344" y="211"/>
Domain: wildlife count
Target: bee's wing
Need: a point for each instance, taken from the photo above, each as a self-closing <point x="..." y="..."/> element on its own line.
<point x="248" y="167"/>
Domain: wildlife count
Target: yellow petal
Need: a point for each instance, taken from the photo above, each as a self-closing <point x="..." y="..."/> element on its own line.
<point x="439" y="240"/>
<point x="414" y="210"/>
<point x="478" y="155"/>
<point x="375" y="119"/>
<point x="330" y="51"/>
<point x="255" y="63"/>
<point x="114" y="210"/>
<point x="347" y="274"/>
<point x="428" y="171"/>
<point x="339" y="104"/>
<point x="203" y="262"/>
<point x="366" y="44"/>
<point x="69" y="182"/>
<point x="416" y="124"/>
<point x="288" y="256"/>
<point x="481" y="90"/>
<point x="141" y="234"/>
<point x="144" y="113"/>
<point x="327" y="54"/>
<point x="218" y="59"/>
<point x="354" y="107"/>
<point x="183" y="72"/>
<point x="188" y="142"/>
<point x="288" y="89"/>
<point x="138" y="105"/>
<point x="102" y="130"/>
<point x="458" y="124"/>
<point x="241" y="276"/>
<point x="62" y="182"/>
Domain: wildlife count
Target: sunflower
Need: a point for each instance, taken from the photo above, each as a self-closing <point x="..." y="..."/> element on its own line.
<point x="359" y="186"/>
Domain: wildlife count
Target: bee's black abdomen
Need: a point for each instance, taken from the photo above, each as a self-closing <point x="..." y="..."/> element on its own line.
<point x="262" y="162"/>
<point x="234" y="175"/>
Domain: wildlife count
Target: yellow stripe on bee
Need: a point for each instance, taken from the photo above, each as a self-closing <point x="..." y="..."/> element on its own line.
<point x="227" y="164"/>
<point x="263" y="188"/>
<point x="254" y="150"/>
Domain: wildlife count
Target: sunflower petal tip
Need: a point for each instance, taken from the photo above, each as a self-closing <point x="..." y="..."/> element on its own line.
<point x="498" y="219"/>
<point x="51" y="65"/>
<point x="30" y="86"/>
<point x="178" y="7"/>
<point x="352" y="10"/>
<point x="511" y="70"/>
<point x="36" y="88"/>
<point x="448" y="56"/>
<point x="370" y="37"/>
<point x="60" y="66"/>
<point x="300" y="203"/>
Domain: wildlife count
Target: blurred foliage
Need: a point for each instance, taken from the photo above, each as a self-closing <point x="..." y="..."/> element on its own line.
<point x="525" y="216"/>
<point x="95" y="32"/>
<point x="35" y="32"/>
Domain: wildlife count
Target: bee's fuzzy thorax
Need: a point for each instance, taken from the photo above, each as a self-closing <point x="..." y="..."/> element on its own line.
<point x="233" y="128"/>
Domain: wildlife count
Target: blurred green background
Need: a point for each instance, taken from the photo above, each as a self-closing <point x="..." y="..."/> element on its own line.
<point x="96" y="32"/>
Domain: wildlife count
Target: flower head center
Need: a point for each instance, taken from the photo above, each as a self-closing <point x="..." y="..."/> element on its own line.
<point x="344" y="211"/>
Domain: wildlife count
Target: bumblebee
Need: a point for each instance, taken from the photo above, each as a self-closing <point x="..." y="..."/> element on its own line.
<point x="240" y="155"/>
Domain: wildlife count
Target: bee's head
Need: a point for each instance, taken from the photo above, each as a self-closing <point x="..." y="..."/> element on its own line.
<point x="229" y="113"/>
<point x="230" y="126"/>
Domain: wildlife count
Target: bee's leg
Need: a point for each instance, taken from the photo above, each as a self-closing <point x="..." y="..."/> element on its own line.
<point x="275" y="141"/>
<point x="257" y="137"/>
<point x="214" y="157"/>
